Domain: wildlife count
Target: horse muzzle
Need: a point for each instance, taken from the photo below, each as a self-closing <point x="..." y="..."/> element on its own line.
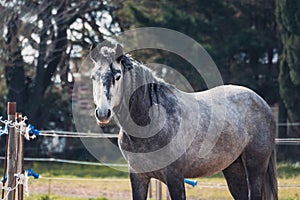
<point x="103" y="116"/>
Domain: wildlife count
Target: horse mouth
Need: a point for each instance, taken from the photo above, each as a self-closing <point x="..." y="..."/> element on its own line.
<point x="103" y="122"/>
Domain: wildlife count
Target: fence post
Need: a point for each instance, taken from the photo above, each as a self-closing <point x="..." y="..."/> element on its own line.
<point x="5" y="169"/>
<point x="150" y="189"/>
<point x="167" y="193"/>
<point x="20" y="165"/>
<point x="158" y="190"/>
<point x="12" y="150"/>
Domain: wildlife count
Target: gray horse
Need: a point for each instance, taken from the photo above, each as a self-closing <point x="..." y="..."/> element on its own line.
<point x="170" y="135"/>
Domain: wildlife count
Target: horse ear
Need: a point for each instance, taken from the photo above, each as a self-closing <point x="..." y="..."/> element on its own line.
<point x="93" y="53"/>
<point x="119" y="52"/>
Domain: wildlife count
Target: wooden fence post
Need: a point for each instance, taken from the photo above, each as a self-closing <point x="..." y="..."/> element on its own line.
<point x="12" y="150"/>
<point x="167" y="193"/>
<point x="150" y="190"/>
<point x="20" y="165"/>
<point x="5" y="169"/>
<point x="158" y="190"/>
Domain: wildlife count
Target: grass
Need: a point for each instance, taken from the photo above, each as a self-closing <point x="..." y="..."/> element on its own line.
<point x="54" y="197"/>
<point x="110" y="184"/>
<point x="284" y="170"/>
<point x="123" y="187"/>
<point x="288" y="170"/>
<point x="74" y="170"/>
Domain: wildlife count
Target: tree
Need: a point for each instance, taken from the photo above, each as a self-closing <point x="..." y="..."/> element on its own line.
<point x="40" y="37"/>
<point x="239" y="35"/>
<point x="288" y="19"/>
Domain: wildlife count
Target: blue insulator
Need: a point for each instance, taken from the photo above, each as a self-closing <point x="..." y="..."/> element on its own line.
<point x="4" y="179"/>
<point x="190" y="182"/>
<point x="32" y="130"/>
<point x="30" y="172"/>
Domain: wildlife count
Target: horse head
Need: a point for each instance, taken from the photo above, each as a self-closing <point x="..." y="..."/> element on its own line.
<point x="107" y="77"/>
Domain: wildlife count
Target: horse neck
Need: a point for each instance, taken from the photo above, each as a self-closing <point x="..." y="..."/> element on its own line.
<point x="140" y="125"/>
<point x="138" y="76"/>
<point x="141" y="90"/>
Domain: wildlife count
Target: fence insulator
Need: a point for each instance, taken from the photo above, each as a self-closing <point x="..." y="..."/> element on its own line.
<point x="30" y="172"/>
<point x="32" y="130"/>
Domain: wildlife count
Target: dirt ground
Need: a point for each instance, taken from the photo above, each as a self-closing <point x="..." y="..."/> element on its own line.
<point x="118" y="189"/>
<point x="112" y="189"/>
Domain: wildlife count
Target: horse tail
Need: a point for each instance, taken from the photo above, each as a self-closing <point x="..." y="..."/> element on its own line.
<point x="270" y="191"/>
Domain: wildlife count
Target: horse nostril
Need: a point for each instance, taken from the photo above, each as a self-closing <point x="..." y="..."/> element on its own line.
<point x="108" y="113"/>
<point x="97" y="113"/>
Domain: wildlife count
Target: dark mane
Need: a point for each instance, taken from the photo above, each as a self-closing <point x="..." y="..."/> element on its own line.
<point x="130" y="64"/>
<point x="140" y="82"/>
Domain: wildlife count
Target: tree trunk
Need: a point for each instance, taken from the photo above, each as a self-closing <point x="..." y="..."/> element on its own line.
<point x="288" y="19"/>
<point x="44" y="74"/>
<point x="289" y="78"/>
<point x="14" y="68"/>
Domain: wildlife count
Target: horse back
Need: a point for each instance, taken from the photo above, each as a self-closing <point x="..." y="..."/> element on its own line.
<point x="246" y="122"/>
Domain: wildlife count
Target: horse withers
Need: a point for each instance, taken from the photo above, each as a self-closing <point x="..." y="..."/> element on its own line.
<point x="170" y="135"/>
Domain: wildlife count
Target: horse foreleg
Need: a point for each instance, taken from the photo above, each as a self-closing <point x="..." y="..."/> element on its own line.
<point x="139" y="185"/>
<point x="175" y="184"/>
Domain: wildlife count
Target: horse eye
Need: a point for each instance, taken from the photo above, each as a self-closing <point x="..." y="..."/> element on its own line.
<point x="92" y="77"/>
<point x="118" y="76"/>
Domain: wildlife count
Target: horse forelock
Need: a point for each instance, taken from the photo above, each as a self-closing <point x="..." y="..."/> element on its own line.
<point x="107" y="54"/>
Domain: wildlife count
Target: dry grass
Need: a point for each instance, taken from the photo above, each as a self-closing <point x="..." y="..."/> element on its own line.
<point x="119" y="189"/>
<point x="106" y="187"/>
